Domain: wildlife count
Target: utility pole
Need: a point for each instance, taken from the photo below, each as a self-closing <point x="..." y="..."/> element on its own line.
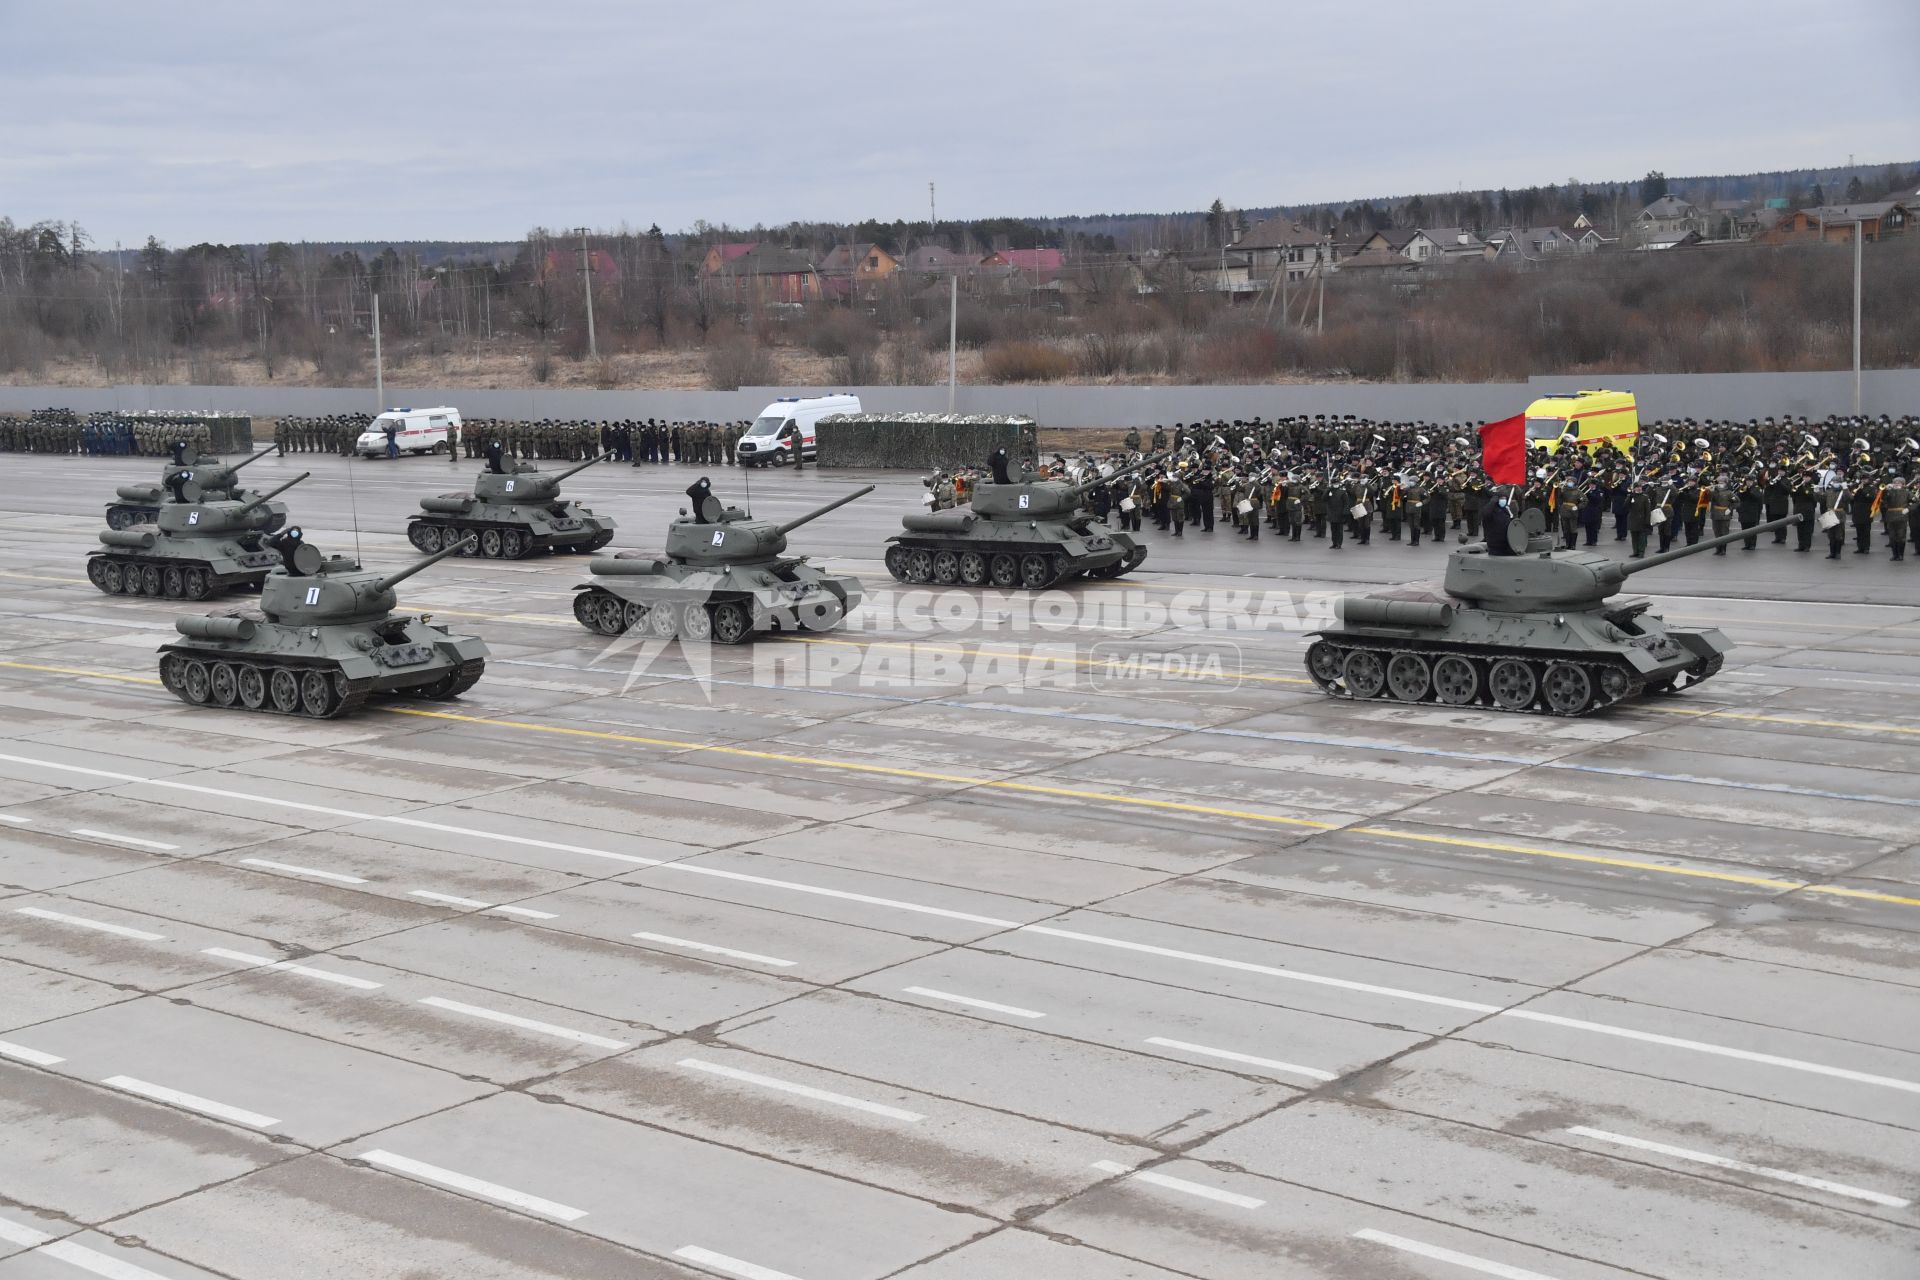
<point x="933" y="214"/>
<point x="379" y="369"/>
<point x="586" y="280"/>
<point x="1859" y="235"/>
<point x="953" y="339"/>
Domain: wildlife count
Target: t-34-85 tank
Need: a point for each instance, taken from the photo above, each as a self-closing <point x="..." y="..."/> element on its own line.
<point x="195" y="548"/>
<point x="323" y="640"/>
<point x="1535" y="630"/>
<point x="725" y="576"/>
<point x="140" y="503"/>
<point x="513" y="511"/>
<point x="1027" y="532"/>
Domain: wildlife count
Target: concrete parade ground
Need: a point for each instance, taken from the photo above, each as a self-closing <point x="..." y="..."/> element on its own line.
<point x="987" y="948"/>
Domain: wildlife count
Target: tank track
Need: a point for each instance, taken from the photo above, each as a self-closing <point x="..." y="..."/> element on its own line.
<point x="1327" y="659"/>
<point x="606" y="614"/>
<point x="342" y="696"/>
<point x="114" y="575"/>
<point x="122" y="515"/>
<point x="510" y="541"/>
<point x="925" y="562"/>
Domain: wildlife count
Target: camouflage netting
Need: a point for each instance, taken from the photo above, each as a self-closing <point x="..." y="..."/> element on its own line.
<point x="922" y="440"/>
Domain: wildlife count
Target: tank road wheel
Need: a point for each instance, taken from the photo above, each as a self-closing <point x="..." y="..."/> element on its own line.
<point x="611" y="614"/>
<point x="469" y="549"/>
<point x="973" y="568"/>
<point x="112" y="579"/>
<point x="586" y="609"/>
<point x="1037" y="572"/>
<point x="97" y="571"/>
<point x="663" y="619"/>
<point x="731" y="622"/>
<point x="1568" y="688"/>
<point x="195" y="682"/>
<point x="317" y="695"/>
<point x="1004" y="570"/>
<point x="1323" y="664"/>
<point x="491" y="543"/>
<point x="283" y="686"/>
<point x="1364" y="673"/>
<point x="223" y="683"/>
<point x="1615" y="684"/>
<point x="172" y="670"/>
<point x="897" y="562"/>
<point x="151" y="583"/>
<point x="195" y="584"/>
<point x="173" y="583"/>
<point x="118" y="518"/>
<point x="1136" y="556"/>
<point x="513" y="544"/>
<point x="417" y="535"/>
<point x="1456" y="681"/>
<point x="946" y="568"/>
<point x="1513" y="684"/>
<point x="633" y="616"/>
<point x="252" y="687"/>
<point x="1408" y="677"/>
<point x="919" y="564"/>
<point x="695" y="622"/>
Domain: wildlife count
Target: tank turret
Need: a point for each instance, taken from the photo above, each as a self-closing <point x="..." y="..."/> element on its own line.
<point x="1533" y="630"/>
<point x="196" y="547"/>
<point x="724" y="577"/>
<point x="139" y="503"/>
<point x="324" y="639"/>
<point x="1027" y="532"/>
<point x="514" y="510"/>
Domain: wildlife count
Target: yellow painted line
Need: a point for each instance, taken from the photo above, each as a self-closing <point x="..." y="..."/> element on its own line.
<point x="38" y="577"/>
<point x="1103" y="797"/>
<point x="1702" y="713"/>
<point x="1015" y="653"/>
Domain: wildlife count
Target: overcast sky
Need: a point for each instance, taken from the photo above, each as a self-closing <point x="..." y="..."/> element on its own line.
<point x="247" y="120"/>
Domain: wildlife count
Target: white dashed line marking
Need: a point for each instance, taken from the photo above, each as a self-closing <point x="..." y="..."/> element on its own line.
<point x="1742" y="1166"/>
<point x="526" y="1024"/>
<point x="1312" y="1073"/>
<point x="191" y="1101"/>
<point x="288" y="966"/>
<point x="18" y="822"/>
<point x="117" y="838"/>
<point x="81" y="922"/>
<point x="473" y="1186"/>
<point x="1179" y="1184"/>
<point x="1434" y="1251"/>
<point x="1011" y="1010"/>
<point x="804" y="1091"/>
<point x="290" y="869"/>
<point x="712" y="949"/>
<point x="477" y="905"/>
<point x="20" y="1053"/>
<point x="732" y="1266"/>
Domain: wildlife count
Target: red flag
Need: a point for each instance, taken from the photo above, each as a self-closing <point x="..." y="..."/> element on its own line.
<point x="1503" y="450"/>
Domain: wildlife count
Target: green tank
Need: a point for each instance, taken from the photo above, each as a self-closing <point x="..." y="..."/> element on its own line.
<point x="724" y="577"/>
<point x="1023" y="532"/>
<point x="324" y="639"/>
<point x="1535" y="631"/>
<point x="513" y="511"/>
<point x="140" y="503"/>
<point x="195" y="548"/>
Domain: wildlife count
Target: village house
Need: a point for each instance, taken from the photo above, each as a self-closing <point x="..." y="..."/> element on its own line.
<point x="765" y="273"/>
<point x="1279" y="242"/>
<point x="1878" y="221"/>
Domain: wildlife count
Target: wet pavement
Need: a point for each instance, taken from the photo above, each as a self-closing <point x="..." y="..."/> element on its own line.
<point x="975" y="940"/>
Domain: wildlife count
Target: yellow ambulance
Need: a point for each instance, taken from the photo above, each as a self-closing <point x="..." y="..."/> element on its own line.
<point x="1586" y="417"/>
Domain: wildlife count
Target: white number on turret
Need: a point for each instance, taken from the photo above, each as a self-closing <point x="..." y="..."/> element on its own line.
<point x="1024" y="500"/>
<point x="719" y="537"/>
<point x="510" y="485"/>
<point x="313" y="595"/>
<point x="193" y="517"/>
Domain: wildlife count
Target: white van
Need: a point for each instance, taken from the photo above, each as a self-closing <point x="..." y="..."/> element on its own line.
<point x="762" y="443"/>
<point x="420" y="431"/>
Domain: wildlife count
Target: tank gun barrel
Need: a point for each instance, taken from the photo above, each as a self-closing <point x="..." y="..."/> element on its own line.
<point x="1090" y="485"/>
<point x="271" y="494"/>
<point x="398" y="576"/>
<point x="558" y="476"/>
<point x="247" y="461"/>
<point x="842" y="501"/>
<point x="1724" y="540"/>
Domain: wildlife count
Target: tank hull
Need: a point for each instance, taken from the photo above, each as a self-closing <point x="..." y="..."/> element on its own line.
<point x="728" y="605"/>
<point x="173" y="568"/>
<point x="319" y="672"/>
<point x="973" y="551"/>
<point x="1569" y="663"/>
<point x="510" y="532"/>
